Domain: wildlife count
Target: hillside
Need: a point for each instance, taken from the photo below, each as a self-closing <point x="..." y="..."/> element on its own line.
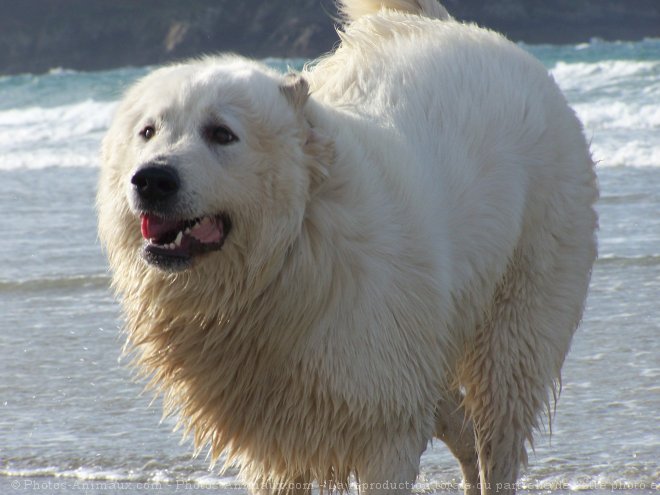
<point x="37" y="35"/>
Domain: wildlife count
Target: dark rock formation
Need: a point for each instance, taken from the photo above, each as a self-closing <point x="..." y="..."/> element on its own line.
<point x="563" y="21"/>
<point x="37" y="35"/>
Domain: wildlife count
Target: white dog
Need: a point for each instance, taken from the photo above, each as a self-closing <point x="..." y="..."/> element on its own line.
<point x="323" y="271"/>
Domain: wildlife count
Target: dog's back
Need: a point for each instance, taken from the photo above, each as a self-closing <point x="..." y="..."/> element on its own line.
<point x="480" y="143"/>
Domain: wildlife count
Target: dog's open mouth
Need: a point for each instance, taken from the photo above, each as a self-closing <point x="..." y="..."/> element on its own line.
<point x="172" y="244"/>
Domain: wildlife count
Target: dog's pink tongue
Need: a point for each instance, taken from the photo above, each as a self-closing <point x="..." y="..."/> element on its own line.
<point x="154" y="227"/>
<point x="208" y="231"/>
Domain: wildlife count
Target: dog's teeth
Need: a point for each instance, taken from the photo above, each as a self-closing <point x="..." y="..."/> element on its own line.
<point x="187" y="231"/>
<point x="177" y="241"/>
<point x="206" y="220"/>
<point x="171" y="245"/>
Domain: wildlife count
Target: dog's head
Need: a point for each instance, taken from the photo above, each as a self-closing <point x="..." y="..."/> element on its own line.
<point x="208" y="159"/>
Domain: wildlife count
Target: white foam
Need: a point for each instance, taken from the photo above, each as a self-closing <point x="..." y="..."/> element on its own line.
<point x="613" y="114"/>
<point x="128" y="477"/>
<point x="614" y="74"/>
<point x="621" y="152"/>
<point x="622" y="133"/>
<point x="62" y="136"/>
<point x="618" y="102"/>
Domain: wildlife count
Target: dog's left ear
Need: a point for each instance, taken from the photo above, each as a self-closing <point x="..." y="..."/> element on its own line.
<point x="295" y="89"/>
<point x="319" y="151"/>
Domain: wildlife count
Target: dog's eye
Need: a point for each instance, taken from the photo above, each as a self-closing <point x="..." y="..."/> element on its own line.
<point x="148" y="132"/>
<point x="220" y="134"/>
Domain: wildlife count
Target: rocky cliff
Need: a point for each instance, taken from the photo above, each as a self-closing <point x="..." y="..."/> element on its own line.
<point x="37" y="35"/>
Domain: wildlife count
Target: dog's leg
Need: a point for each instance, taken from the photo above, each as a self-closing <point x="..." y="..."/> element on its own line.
<point x="300" y="485"/>
<point x="455" y="429"/>
<point x="515" y="360"/>
<point x="502" y="409"/>
<point x="391" y="464"/>
<point x="504" y="382"/>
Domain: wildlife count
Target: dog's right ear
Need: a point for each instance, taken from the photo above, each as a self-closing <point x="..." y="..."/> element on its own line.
<point x="295" y="89"/>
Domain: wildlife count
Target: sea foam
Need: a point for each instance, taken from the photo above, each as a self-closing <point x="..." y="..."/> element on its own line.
<point x="618" y="102"/>
<point x="63" y="136"/>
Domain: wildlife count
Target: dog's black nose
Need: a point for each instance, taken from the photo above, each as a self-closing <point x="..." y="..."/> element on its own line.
<point x="156" y="182"/>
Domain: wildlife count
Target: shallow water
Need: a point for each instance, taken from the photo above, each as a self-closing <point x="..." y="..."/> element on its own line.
<point x="70" y="412"/>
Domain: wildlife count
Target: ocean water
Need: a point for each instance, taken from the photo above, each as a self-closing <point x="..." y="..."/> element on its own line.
<point x="72" y="419"/>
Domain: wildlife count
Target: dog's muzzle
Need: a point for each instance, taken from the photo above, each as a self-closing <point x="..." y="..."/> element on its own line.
<point x="172" y="241"/>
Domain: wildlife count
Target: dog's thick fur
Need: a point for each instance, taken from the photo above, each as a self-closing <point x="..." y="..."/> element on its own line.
<point x="413" y="234"/>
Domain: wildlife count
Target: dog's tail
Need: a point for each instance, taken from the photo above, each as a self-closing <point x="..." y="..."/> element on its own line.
<point x="354" y="9"/>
